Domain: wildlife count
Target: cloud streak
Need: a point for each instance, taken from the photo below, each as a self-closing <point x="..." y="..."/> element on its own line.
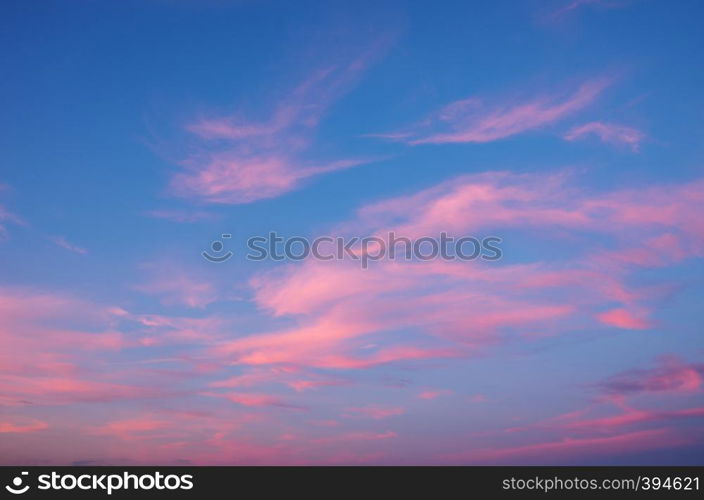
<point x="474" y="121"/>
<point x="609" y="133"/>
<point x="64" y="243"/>
<point x="241" y="161"/>
<point x="21" y="427"/>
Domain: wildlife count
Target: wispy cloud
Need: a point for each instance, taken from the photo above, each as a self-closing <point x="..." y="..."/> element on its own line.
<point x="241" y="161"/>
<point x="64" y="243"/>
<point x="609" y="133"/>
<point x="623" y="318"/>
<point x="134" y="428"/>
<point x="22" y="426"/>
<point x="376" y="412"/>
<point x="433" y="393"/>
<point x="54" y="349"/>
<point x="632" y="417"/>
<point x="353" y="437"/>
<point x="565" y="449"/>
<point x="175" y="284"/>
<point x="293" y="377"/>
<point x="460" y="307"/>
<point x="575" y="5"/>
<point x="6" y="216"/>
<point x="254" y="399"/>
<point x="671" y="374"/>
<point x="473" y="120"/>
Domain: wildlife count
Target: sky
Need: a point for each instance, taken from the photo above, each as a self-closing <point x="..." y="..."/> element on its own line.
<point x="134" y="134"/>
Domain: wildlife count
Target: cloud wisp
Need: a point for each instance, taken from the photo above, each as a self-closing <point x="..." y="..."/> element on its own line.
<point x="7" y="217"/>
<point x="240" y="161"/>
<point x="609" y="133"/>
<point x="472" y="120"/>
<point x="575" y="5"/>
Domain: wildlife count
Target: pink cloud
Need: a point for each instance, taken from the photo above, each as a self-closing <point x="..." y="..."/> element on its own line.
<point x="652" y="252"/>
<point x="253" y="399"/>
<point x="470" y="120"/>
<point x="433" y="393"/>
<point x="40" y="333"/>
<point x="353" y="437"/>
<point x="301" y="385"/>
<point x="553" y="452"/>
<point x="24" y="390"/>
<point x="671" y="377"/>
<point x="245" y="380"/>
<point x="56" y="350"/>
<point x="621" y="318"/>
<point x="376" y="412"/>
<point x="671" y="374"/>
<point x="595" y="429"/>
<point x="231" y="179"/>
<point x="609" y="133"/>
<point x="338" y="309"/>
<point x="635" y="417"/>
<point x="328" y="316"/>
<point x="22" y="427"/>
<point x="295" y="378"/>
<point x="241" y="161"/>
<point x="134" y="428"/>
<point x="160" y="436"/>
<point x="177" y="286"/>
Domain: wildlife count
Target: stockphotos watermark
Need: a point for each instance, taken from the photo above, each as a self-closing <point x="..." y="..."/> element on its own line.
<point x="102" y="482"/>
<point x="365" y="249"/>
